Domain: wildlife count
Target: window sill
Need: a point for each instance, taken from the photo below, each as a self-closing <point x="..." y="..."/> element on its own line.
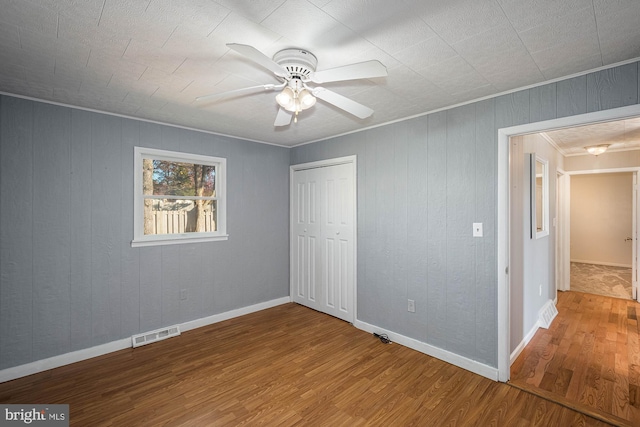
<point x="177" y="240"/>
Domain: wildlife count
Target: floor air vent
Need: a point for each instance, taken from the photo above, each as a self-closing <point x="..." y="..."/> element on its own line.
<point x="153" y="336"/>
<point x="547" y="313"/>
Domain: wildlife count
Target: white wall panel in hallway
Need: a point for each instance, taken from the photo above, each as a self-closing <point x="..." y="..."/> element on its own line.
<point x="323" y="238"/>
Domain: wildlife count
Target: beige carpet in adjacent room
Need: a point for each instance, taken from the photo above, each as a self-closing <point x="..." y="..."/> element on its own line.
<point x="601" y="280"/>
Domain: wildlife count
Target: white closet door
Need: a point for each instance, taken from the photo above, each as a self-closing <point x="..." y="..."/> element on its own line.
<point x="322" y="240"/>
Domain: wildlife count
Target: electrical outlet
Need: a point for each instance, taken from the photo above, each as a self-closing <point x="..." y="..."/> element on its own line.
<point x="411" y="306"/>
<point x="477" y="229"/>
<point x="184" y="294"/>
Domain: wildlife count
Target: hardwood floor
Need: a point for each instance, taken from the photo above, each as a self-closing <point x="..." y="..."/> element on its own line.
<point x="588" y="359"/>
<point x="287" y="365"/>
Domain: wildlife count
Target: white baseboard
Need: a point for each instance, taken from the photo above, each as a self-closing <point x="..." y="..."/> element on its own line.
<point x="608" y="264"/>
<point x="209" y="320"/>
<point x="99" y="350"/>
<point x="455" y="359"/>
<point x="63" y="359"/>
<point x="550" y="309"/>
<point x="516" y="352"/>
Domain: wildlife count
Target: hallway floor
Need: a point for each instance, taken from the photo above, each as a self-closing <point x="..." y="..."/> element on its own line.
<point x="589" y="358"/>
<point x="601" y="280"/>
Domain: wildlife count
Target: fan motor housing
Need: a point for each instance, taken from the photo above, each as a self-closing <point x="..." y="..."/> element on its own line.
<point x="298" y="62"/>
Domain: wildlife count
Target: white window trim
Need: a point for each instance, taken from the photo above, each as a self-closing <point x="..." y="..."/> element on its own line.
<point x="139" y="239"/>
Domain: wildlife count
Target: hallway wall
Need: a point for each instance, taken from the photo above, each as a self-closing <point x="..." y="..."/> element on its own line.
<point x="601" y="211"/>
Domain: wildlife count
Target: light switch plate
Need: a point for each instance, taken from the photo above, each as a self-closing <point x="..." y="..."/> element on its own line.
<point x="477" y="229"/>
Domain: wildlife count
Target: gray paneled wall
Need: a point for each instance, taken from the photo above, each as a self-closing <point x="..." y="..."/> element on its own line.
<point x="421" y="185"/>
<point x="69" y="278"/>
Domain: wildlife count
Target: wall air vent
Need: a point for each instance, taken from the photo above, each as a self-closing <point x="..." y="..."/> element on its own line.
<point x="546" y="315"/>
<point x="153" y="336"/>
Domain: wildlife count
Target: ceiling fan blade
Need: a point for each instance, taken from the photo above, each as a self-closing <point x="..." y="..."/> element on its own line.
<point x="283" y="118"/>
<point x="348" y="105"/>
<point x="360" y="70"/>
<point x="259" y="58"/>
<point x="238" y="92"/>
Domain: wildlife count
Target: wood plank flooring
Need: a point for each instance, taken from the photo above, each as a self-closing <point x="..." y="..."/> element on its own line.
<point x="588" y="359"/>
<point x="287" y="365"/>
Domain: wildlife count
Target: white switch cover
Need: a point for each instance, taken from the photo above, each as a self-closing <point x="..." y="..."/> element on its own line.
<point x="477" y="229"/>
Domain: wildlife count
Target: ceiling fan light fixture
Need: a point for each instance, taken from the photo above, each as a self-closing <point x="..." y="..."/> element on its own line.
<point x="307" y="100"/>
<point x="286" y="99"/>
<point x="597" y="149"/>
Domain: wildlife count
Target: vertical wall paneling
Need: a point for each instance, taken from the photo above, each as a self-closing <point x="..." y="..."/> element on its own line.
<point x="417" y="219"/>
<point x="512" y="109"/>
<point x="270" y="189"/>
<point x="366" y="187"/>
<point x="542" y="101"/>
<point x="130" y="261"/>
<point x="571" y="96"/>
<point x="249" y="172"/>
<point x="106" y="223"/>
<point x="384" y="279"/>
<point x="171" y="283"/>
<point x="367" y="226"/>
<point x="150" y="285"/>
<point x="51" y="230"/>
<point x="400" y="225"/>
<point x="461" y="197"/>
<point x="190" y="280"/>
<point x="485" y="247"/>
<point x="613" y="87"/>
<point x="231" y="258"/>
<point x="16" y="234"/>
<point x="80" y="292"/>
<point x="437" y="228"/>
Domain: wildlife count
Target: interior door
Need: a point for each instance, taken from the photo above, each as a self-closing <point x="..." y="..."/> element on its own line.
<point x="323" y="239"/>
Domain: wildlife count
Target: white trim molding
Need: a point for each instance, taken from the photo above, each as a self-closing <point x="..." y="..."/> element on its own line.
<point x="549" y="311"/>
<point x="527" y="338"/>
<point x="439" y="353"/>
<point x="99" y="350"/>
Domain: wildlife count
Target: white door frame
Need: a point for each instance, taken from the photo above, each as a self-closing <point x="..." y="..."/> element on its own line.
<point x="561" y="222"/>
<point x="321" y="164"/>
<point x="566" y="249"/>
<point x="504" y="205"/>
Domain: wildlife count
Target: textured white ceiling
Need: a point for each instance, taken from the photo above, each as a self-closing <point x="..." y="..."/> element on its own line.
<point x="151" y="58"/>
<point x="622" y="135"/>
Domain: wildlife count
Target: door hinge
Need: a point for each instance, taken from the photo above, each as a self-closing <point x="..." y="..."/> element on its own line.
<point x="506" y="270"/>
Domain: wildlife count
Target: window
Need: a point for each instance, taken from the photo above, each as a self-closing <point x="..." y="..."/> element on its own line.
<point x="179" y="198"/>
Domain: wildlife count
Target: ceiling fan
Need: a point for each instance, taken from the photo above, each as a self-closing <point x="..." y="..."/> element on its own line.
<point x="296" y="69"/>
